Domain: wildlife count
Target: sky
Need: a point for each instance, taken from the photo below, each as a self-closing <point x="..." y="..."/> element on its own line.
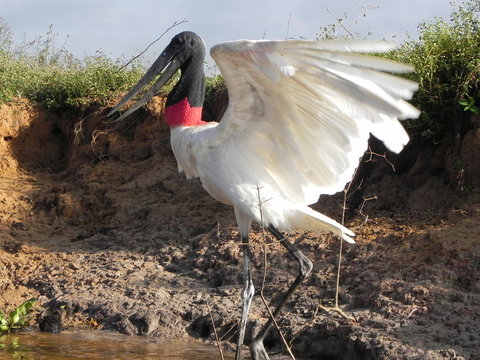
<point x="126" y="27"/>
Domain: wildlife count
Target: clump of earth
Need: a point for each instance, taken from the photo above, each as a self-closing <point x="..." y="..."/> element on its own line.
<point x="97" y="223"/>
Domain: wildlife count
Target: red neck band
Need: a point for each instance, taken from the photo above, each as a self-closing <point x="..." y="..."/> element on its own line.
<point x="182" y="114"/>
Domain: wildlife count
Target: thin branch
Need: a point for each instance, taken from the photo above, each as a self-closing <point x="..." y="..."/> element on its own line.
<point x="277" y="327"/>
<point x="219" y="346"/>
<point x="288" y="25"/>
<point x="340" y="250"/>
<point x="264" y="238"/>
<point x="229" y="331"/>
<point x="340" y="22"/>
<point x="176" y="23"/>
<point x="337" y="286"/>
<point x="336" y="308"/>
<point x="287" y="346"/>
<point x="384" y="155"/>
<point x="366" y="217"/>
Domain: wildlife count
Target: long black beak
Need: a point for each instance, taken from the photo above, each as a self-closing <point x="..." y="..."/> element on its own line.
<point x="167" y="62"/>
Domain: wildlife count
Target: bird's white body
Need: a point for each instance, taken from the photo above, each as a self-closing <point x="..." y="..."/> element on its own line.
<point x="299" y="117"/>
<point x="225" y="179"/>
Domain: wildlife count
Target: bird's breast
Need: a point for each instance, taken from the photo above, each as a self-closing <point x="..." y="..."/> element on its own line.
<point x="189" y="146"/>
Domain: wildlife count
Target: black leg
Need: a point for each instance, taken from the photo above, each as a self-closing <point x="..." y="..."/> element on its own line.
<point x="305" y="267"/>
<point x="247" y="295"/>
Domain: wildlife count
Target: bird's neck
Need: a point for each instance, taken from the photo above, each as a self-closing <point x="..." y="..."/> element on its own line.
<point x="183" y="114"/>
<point x="185" y="101"/>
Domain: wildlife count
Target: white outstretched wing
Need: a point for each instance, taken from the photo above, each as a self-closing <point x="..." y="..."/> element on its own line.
<point x="306" y="108"/>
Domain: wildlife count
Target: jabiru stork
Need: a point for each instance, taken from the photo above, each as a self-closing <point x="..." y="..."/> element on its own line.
<point x="299" y="116"/>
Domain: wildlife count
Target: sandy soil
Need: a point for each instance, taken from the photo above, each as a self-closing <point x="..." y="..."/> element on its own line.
<point x="96" y="222"/>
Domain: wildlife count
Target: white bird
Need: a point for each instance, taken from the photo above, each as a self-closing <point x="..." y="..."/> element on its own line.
<point x="299" y="117"/>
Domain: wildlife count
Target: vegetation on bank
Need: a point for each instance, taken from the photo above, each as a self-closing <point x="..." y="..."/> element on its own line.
<point x="446" y="59"/>
<point x="18" y="318"/>
<point x="54" y="77"/>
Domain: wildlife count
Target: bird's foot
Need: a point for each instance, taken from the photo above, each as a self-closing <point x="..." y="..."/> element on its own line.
<point x="257" y="350"/>
<point x="337" y="310"/>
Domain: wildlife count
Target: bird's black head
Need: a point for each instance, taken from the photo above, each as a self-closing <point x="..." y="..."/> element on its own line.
<point x="186" y="51"/>
<point x="186" y="46"/>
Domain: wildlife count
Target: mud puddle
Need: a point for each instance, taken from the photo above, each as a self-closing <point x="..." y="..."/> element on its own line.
<point x="100" y="223"/>
<point x="100" y="345"/>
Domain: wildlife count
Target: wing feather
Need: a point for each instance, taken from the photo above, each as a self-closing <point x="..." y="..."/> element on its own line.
<point x="305" y="109"/>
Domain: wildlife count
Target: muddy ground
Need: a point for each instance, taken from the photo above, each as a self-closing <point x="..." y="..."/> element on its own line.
<point x="97" y="224"/>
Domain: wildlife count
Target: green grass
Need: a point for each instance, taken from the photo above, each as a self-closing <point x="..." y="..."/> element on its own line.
<point x="447" y="67"/>
<point x="446" y="59"/>
<point x="54" y="77"/>
<point x="57" y="86"/>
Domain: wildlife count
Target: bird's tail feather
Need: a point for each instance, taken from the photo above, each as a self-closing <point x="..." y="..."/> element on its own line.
<point x="309" y="219"/>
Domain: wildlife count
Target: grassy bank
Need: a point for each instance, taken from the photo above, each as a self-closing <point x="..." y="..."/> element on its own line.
<point x="446" y="59"/>
<point x="53" y="76"/>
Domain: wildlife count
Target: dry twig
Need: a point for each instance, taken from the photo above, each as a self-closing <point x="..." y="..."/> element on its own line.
<point x="219" y="345"/>
<point x="176" y="23"/>
<point x="384" y="155"/>
<point x="336" y="308"/>
<point x="287" y="346"/>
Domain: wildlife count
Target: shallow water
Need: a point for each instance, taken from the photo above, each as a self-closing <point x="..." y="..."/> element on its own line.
<point x="100" y="345"/>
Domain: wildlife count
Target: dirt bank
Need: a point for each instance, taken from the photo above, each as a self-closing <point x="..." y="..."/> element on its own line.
<point x="98" y="219"/>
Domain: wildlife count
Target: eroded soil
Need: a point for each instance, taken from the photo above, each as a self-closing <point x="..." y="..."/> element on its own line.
<point x="97" y="223"/>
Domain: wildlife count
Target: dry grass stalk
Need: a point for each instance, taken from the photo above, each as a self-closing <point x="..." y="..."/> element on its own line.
<point x="287" y="346"/>
<point x="217" y="340"/>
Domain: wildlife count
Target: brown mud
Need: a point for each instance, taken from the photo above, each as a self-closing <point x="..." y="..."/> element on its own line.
<point x="96" y="222"/>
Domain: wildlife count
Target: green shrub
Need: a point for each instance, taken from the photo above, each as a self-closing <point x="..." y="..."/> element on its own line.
<point x="95" y="79"/>
<point x="57" y="79"/>
<point x="447" y="64"/>
<point x="446" y="59"/>
<point x="213" y="84"/>
<point x="18" y="318"/>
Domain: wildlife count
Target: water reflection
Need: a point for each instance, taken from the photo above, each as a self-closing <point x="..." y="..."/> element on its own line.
<point x="99" y="345"/>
